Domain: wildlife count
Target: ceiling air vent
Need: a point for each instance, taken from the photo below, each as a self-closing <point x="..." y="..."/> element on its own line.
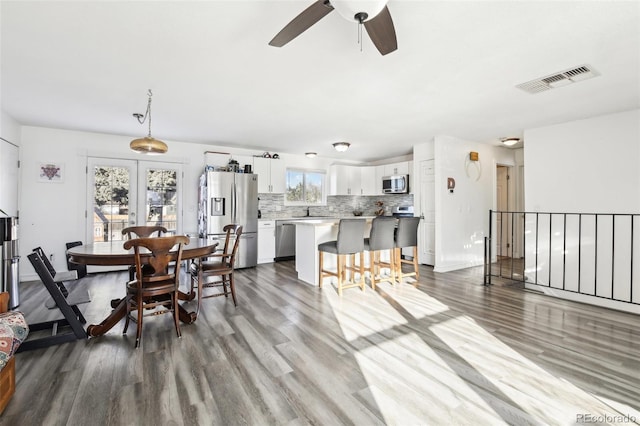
<point x="559" y="79"/>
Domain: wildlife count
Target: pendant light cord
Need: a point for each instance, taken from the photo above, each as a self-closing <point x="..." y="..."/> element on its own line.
<point x="147" y="114"/>
<point x="149" y="111"/>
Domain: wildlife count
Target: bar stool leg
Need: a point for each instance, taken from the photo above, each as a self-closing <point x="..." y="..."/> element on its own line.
<point x="320" y="268"/>
<point x="362" y="282"/>
<point x="398" y="263"/>
<point x="340" y="271"/>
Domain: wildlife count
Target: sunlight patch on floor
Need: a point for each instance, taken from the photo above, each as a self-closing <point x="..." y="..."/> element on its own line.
<point x="416" y="302"/>
<point x="536" y="391"/>
<point x="435" y="394"/>
<point x="362" y="313"/>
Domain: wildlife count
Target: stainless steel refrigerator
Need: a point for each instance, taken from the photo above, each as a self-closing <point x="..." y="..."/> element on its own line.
<point x="228" y="197"/>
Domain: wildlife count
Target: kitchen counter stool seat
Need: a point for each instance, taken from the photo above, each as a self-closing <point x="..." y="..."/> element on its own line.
<point x="350" y="241"/>
<point x="407" y="236"/>
<point x="381" y="238"/>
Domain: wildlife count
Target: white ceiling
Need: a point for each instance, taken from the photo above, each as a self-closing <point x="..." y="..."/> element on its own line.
<point x="87" y="65"/>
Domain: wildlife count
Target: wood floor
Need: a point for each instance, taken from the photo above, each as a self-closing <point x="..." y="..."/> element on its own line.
<point x="441" y="351"/>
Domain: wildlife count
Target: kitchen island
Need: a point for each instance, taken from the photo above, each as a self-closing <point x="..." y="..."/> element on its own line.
<point x="310" y="233"/>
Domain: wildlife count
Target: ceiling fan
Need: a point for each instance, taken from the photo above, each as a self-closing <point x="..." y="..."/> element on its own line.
<point x="373" y="14"/>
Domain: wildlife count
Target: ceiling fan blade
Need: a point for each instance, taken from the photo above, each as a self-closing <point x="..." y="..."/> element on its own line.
<point x="302" y="22"/>
<point x="382" y="32"/>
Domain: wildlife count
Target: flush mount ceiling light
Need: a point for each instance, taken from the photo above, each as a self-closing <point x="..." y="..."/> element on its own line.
<point x="311" y="154"/>
<point x="509" y="141"/>
<point x="147" y="145"/>
<point x="341" y="146"/>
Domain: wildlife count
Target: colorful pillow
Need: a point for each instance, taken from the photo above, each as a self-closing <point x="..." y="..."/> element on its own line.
<point x="13" y="331"/>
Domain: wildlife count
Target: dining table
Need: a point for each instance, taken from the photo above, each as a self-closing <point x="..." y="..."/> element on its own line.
<point x="113" y="253"/>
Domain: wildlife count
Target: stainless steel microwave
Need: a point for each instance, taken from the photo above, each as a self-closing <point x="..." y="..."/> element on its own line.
<point x="398" y="184"/>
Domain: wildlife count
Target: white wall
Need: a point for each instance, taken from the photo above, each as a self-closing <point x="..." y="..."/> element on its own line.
<point x="584" y="166"/>
<point x="462" y="217"/>
<point x="52" y="214"/>
<point x="588" y="166"/>
<point x="9" y="128"/>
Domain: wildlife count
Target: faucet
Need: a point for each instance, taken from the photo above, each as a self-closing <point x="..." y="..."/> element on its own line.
<point x="308" y="214"/>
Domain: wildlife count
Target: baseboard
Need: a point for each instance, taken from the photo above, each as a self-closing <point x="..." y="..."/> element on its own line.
<point x="456" y="266"/>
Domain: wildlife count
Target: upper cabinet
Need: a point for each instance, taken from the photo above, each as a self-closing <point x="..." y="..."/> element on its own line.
<point x="393" y="169"/>
<point x="344" y="180"/>
<point x="271" y="175"/>
<point x="369" y="182"/>
<point x="363" y="180"/>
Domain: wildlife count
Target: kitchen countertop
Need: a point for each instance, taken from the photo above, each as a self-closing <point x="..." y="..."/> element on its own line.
<point x="327" y="220"/>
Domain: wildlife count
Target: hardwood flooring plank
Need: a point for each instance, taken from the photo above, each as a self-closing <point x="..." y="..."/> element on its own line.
<point x="441" y="350"/>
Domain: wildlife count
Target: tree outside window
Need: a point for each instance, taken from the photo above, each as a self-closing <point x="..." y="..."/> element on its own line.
<point x="305" y="187"/>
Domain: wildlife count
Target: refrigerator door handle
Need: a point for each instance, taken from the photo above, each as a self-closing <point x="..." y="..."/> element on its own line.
<point x="234" y="211"/>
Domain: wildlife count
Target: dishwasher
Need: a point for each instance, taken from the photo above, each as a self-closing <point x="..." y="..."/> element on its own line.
<point x="285" y="240"/>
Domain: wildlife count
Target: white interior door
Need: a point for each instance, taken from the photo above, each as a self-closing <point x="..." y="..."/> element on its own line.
<point x="124" y="193"/>
<point x="503" y="220"/>
<point x="428" y="211"/>
<point x="8" y="178"/>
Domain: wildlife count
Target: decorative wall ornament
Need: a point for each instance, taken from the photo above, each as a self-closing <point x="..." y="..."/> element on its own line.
<point x="472" y="168"/>
<point x="51" y="172"/>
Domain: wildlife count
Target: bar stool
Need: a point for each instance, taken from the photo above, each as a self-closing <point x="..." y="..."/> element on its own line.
<point x="350" y="241"/>
<point x="381" y="238"/>
<point x="407" y="236"/>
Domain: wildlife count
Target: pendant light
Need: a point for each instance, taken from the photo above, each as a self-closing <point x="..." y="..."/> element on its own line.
<point x="148" y="144"/>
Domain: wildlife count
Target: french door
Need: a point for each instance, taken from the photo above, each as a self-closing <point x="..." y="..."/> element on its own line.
<point x="124" y="193"/>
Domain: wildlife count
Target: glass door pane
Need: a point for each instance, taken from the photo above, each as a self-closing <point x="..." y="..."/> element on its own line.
<point x="112" y="198"/>
<point x="162" y="199"/>
<point x="125" y="193"/>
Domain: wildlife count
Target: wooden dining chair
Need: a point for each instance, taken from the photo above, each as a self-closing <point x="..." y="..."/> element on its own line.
<point x="155" y="283"/>
<point x="141" y="232"/>
<point x="219" y="265"/>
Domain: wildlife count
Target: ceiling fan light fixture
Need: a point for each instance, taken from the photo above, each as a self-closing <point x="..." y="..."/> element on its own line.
<point x="147" y="145"/>
<point x="359" y="10"/>
<point x="509" y="141"/>
<point x="341" y="146"/>
<point x="311" y="154"/>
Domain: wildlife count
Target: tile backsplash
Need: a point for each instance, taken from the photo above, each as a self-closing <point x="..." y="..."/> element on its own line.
<point x="272" y="205"/>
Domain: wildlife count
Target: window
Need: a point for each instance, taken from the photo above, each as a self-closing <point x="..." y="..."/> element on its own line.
<point x="305" y="187"/>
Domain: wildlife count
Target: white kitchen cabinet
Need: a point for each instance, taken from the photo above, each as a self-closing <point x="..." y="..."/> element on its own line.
<point x="344" y="180"/>
<point x="266" y="241"/>
<point x="271" y="175"/>
<point x="369" y="182"/>
<point x="394" y="169"/>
